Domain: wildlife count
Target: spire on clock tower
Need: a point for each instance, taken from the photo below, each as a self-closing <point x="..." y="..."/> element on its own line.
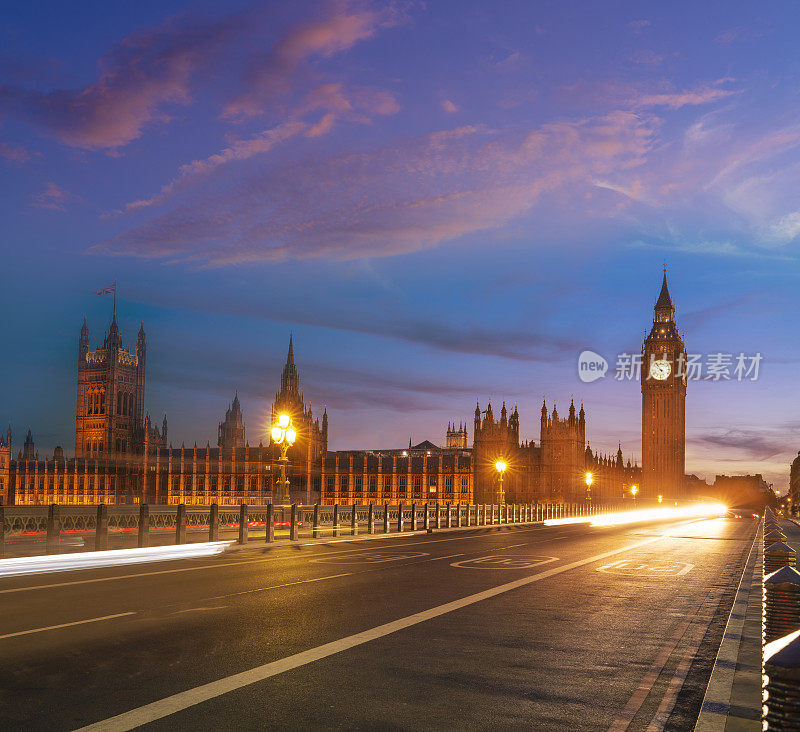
<point x="664" y="309"/>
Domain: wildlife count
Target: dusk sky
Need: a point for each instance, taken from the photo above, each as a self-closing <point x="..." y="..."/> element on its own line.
<point x="442" y="200"/>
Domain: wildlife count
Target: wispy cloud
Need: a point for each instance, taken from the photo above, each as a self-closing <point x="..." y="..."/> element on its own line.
<point x="52" y="197"/>
<point x="449" y="107"/>
<point x="238" y="150"/>
<point x="336" y="102"/>
<point x="677" y="99"/>
<point x="269" y="73"/>
<point x="400" y="198"/>
<point x="140" y="78"/>
<point x="14" y="153"/>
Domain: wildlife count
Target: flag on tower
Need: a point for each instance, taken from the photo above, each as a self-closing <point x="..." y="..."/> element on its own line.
<point x="110" y="290"/>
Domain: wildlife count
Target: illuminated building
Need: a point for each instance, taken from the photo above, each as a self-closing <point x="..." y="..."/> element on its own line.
<point x="663" y="380"/>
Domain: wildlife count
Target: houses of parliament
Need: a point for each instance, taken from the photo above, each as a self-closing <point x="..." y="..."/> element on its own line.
<point x="121" y="457"/>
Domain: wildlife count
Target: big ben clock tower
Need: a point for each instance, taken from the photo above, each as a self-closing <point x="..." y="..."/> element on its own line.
<point x="663" y="403"/>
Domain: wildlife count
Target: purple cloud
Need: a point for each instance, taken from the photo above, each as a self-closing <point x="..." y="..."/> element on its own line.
<point x="396" y="199"/>
<point x="140" y="79"/>
<point x="337" y="102"/>
<point x="268" y="74"/>
<point x="52" y="197"/>
<point x="14" y="153"/>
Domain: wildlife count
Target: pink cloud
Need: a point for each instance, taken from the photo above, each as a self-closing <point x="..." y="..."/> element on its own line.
<point x="52" y="197"/>
<point x="322" y="127"/>
<point x="647" y="57"/>
<point x="270" y="73"/>
<point x="14" y="153"/>
<point x="237" y="151"/>
<point x="678" y="99"/>
<point x="449" y="106"/>
<point x="400" y="198"/>
<point x="140" y="79"/>
<point x="359" y="105"/>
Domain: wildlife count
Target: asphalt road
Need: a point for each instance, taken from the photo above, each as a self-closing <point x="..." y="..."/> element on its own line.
<point x="547" y="628"/>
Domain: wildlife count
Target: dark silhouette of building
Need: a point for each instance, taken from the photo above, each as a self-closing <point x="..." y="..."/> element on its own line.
<point x="563" y="447"/>
<point x="663" y="381"/>
<point x="794" y="486"/>
<point x="230" y="434"/>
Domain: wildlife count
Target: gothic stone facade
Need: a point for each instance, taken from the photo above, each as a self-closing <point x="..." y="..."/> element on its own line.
<point x="122" y="458"/>
<point x="109" y="409"/>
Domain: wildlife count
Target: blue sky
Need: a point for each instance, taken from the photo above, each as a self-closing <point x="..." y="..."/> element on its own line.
<point x="444" y="201"/>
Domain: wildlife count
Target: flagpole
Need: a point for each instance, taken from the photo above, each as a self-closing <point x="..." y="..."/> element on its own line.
<point x="115" y="298"/>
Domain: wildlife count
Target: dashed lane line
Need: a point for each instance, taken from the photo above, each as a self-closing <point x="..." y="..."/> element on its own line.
<point x="92" y="580"/>
<point x="183" y="700"/>
<point x="65" y="625"/>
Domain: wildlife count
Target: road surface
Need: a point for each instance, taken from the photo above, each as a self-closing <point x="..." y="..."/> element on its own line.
<point x="561" y="627"/>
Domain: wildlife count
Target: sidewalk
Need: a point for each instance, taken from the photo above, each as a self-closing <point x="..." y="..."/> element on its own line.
<point x="733" y="697"/>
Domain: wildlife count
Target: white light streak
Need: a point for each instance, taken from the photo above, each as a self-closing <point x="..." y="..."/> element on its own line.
<point x="19" y="566"/>
<point x="696" y="510"/>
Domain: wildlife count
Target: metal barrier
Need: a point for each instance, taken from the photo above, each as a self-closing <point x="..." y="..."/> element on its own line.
<point x="781" y="631"/>
<point x="107" y="523"/>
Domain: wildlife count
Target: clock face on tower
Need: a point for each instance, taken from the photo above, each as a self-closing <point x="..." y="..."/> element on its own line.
<point x="660" y="369"/>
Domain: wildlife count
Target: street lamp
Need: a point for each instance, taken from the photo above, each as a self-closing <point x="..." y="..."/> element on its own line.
<point x="500" y="466"/>
<point x="661" y="499"/>
<point x="589" y="481"/>
<point x="284" y="434"/>
<point x="634" y="491"/>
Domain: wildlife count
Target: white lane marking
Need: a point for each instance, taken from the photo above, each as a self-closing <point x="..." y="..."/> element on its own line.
<point x="199" y="609"/>
<point x="124" y="576"/>
<point x="276" y="587"/>
<point x="185" y="699"/>
<point x="643" y="568"/>
<point x="450" y="556"/>
<point x="360" y="538"/>
<point x="65" y="625"/>
<point x="376" y="557"/>
<point x="500" y="562"/>
<point x="227" y="564"/>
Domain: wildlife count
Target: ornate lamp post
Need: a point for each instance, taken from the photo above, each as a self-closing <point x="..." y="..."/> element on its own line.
<point x="589" y="481"/>
<point x="284" y="434"/>
<point x="634" y="491"/>
<point x="500" y="466"/>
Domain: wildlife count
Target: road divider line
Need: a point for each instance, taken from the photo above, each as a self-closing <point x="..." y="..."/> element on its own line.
<point x="65" y="625"/>
<point x="277" y="587"/>
<point x="191" y="697"/>
<point x="227" y="564"/>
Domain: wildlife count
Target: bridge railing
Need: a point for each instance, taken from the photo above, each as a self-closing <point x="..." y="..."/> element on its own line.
<point x="56" y="528"/>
